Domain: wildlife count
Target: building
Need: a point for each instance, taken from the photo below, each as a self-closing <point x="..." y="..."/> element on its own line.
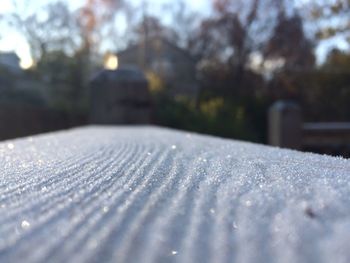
<point x="173" y="65"/>
<point x="10" y="61"/>
<point x="120" y="97"/>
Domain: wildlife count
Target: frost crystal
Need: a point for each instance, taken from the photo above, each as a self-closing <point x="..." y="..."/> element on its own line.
<point x="142" y="194"/>
<point x="25" y="224"/>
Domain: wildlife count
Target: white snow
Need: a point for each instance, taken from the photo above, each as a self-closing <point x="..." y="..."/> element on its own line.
<point x="145" y="194"/>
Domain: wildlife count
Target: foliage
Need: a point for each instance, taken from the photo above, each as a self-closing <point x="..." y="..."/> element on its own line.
<point x="217" y="116"/>
<point x="329" y="18"/>
<point x="155" y="83"/>
<point x="288" y="41"/>
<point x="328" y="100"/>
<point x="65" y="77"/>
<point x="324" y="92"/>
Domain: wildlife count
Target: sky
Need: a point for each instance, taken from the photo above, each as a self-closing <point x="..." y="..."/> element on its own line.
<point x="13" y="41"/>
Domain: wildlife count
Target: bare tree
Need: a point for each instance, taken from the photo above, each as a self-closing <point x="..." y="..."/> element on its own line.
<point x="54" y="28"/>
<point x="327" y="19"/>
<point x="290" y="43"/>
<point x="235" y="31"/>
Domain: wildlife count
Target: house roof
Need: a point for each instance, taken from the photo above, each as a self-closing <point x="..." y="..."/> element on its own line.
<point x="121" y="74"/>
<point x="9" y="59"/>
<point x="164" y="41"/>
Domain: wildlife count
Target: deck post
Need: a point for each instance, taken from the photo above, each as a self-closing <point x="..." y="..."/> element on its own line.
<point x="285" y="125"/>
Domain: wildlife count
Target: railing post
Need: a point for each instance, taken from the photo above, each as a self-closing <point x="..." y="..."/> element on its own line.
<point x="285" y="125"/>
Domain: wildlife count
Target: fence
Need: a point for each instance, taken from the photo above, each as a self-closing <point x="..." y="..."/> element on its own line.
<point x="20" y="120"/>
<point x="286" y="129"/>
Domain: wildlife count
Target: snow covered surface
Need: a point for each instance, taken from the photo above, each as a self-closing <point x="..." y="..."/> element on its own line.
<point x="145" y="194"/>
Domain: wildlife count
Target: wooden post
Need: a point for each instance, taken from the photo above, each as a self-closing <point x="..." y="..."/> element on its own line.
<point x="285" y="125"/>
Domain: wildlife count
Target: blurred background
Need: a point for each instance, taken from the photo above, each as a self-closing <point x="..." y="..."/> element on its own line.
<point x="210" y="66"/>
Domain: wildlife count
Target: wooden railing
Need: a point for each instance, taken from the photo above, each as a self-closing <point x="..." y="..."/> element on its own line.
<point x="21" y="120"/>
<point x="286" y="129"/>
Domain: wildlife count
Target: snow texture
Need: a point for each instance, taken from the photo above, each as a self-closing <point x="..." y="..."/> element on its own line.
<point x="146" y="194"/>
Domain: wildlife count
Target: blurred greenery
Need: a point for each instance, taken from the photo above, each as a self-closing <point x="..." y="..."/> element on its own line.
<point x="218" y="116"/>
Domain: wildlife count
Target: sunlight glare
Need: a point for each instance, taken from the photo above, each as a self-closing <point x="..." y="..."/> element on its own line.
<point x="111" y="62"/>
<point x="26" y="63"/>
